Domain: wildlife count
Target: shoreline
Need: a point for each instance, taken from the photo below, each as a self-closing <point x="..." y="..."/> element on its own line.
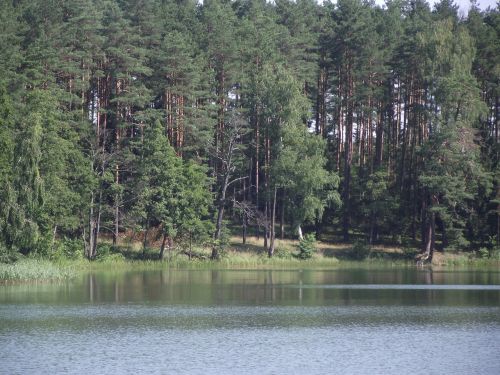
<point x="32" y="270"/>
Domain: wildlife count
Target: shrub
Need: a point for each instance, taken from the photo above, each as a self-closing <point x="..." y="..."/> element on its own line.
<point x="360" y="250"/>
<point x="483" y="253"/>
<point x="495" y="253"/>
<point x="66" y="249"/>
<point x="111" y="257"/>
<point x="44" y="246"/>
<point x="307" y="247"/>
<point x="73" y="249"/>
<point x="221" y="244"/>
<point x="6" y="255"/>
<point x="409" y="252"/>
<point x="103" y="251"/>
<point x="283" y="252"/>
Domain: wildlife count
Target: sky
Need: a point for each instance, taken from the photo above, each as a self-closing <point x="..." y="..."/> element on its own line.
<point x="463" y="4"/>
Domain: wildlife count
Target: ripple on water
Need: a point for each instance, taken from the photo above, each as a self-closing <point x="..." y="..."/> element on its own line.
<point x="253" y="323"/>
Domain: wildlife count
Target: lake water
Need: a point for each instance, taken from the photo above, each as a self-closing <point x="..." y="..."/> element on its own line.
<point x="338" y="321"/>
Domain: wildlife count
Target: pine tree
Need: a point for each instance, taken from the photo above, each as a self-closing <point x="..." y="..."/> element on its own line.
<point x="172" y="195"/>
<point x="450" y="174"/>
<point x="124" y="92"/>
<point x="351" y="28"/>
<point x="160" y="171"/>
<point x="11" y="30"/>
<point x="220" y="25"/>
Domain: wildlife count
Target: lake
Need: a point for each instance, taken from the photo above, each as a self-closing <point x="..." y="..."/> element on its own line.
<point x="347" y="320"/>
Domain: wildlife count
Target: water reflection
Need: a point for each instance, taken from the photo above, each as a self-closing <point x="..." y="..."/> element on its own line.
<point x="366" y="321"/>
<point x="269" y="287"/>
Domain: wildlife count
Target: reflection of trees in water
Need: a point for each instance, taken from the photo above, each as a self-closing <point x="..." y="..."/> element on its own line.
<point x="429" y="280"/>
<point x="270" y="288"/>
<point x="217" y="287"/>
<point x="310" y="287"/>
<point x="300" y="290"/>
<point x="92" y="286"/>
<point x="117" y="292"/>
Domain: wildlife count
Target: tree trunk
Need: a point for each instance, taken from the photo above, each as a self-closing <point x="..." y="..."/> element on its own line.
<point x="163" y="243"/>
<point x="318" y="227"/>
<point x="86" y="245"/>
<point x="145" y="241"/>
<point x="347" y="161"/>
<point x="116" y="208"/>
<point x="430" y="239"/>
<point x="54" y="232"/>
<point x="218" y="227"/>
<point x="190" y="245"/>
<point x="379" y="142"/>
<point x="257" y="144"/>
<point x="244" y="229"/>
<point x="93" y="229"/>
<point x="299" y="231"/>
<point x="97" y="225"/>
<point x="372" y="228"/>
<point x="273" y="222"/>
<point x="91" y="237"/>
<point x="116" y="224"/>
<point x="321" y="100"/>
<point x="266" y="233"/>
<point x="346" y="220"/>
<point x="282" y="216"/>
<point x="498" y="225"/>
<point x="444" y="234"/>
<point x="220" y="216"/>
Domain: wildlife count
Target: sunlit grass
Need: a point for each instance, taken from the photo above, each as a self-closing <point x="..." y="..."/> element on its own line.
<point x="237" y="255"/>
<point x="34" y="270"/>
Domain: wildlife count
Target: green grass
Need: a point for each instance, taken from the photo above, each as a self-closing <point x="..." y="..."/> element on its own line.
<point x="238" y="256"/>
<point x="34" y="270"/>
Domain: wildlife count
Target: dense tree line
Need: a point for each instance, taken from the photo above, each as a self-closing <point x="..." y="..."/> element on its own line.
<point x="166" y="119"/>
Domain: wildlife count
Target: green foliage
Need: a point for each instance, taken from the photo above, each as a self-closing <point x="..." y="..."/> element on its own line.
<point x="109" y="257"/>
<point x="172" y="194"/>
<point x="300" y="171"/>
<point x="483" y="253"/>
<point x="376" y="204"/>
<point x="195" y="200"/>
<point x="283" y="252"/>
<point x="23" y="197"/>
<point x="299" y="160"/>
<point x="6" y="136"/>
<point x="107" y="112"/>
<point x="65" y="249"/>
<point x="307" y="247"/>
<point x="7" y="255"/>
<point x="410" y="252"/>
<point x="495" y="253"/>
<point x="72" y="248"/>
<point x="158" y="184"/>
<point x="360" y="250"/>
<point x="222" y="243"/>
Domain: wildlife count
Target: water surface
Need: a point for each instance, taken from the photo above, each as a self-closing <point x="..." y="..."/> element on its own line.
<point x="338" y="321"/>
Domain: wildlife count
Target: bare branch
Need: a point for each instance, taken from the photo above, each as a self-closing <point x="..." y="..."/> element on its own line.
<point x="236" y="180"/>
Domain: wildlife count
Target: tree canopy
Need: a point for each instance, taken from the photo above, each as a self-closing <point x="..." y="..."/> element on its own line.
<point x="167" y="118"/>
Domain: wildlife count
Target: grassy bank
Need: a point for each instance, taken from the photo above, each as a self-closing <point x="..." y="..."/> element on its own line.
<point x="237" y="256"/>
<point x="34" y="270"/>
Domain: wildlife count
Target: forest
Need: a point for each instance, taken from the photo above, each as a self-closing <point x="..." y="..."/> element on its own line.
<point x="176" y="122"/>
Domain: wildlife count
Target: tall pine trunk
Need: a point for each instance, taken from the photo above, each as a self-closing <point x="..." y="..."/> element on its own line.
<point x="273" y="223"/>
<point x="346" y="222"/>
